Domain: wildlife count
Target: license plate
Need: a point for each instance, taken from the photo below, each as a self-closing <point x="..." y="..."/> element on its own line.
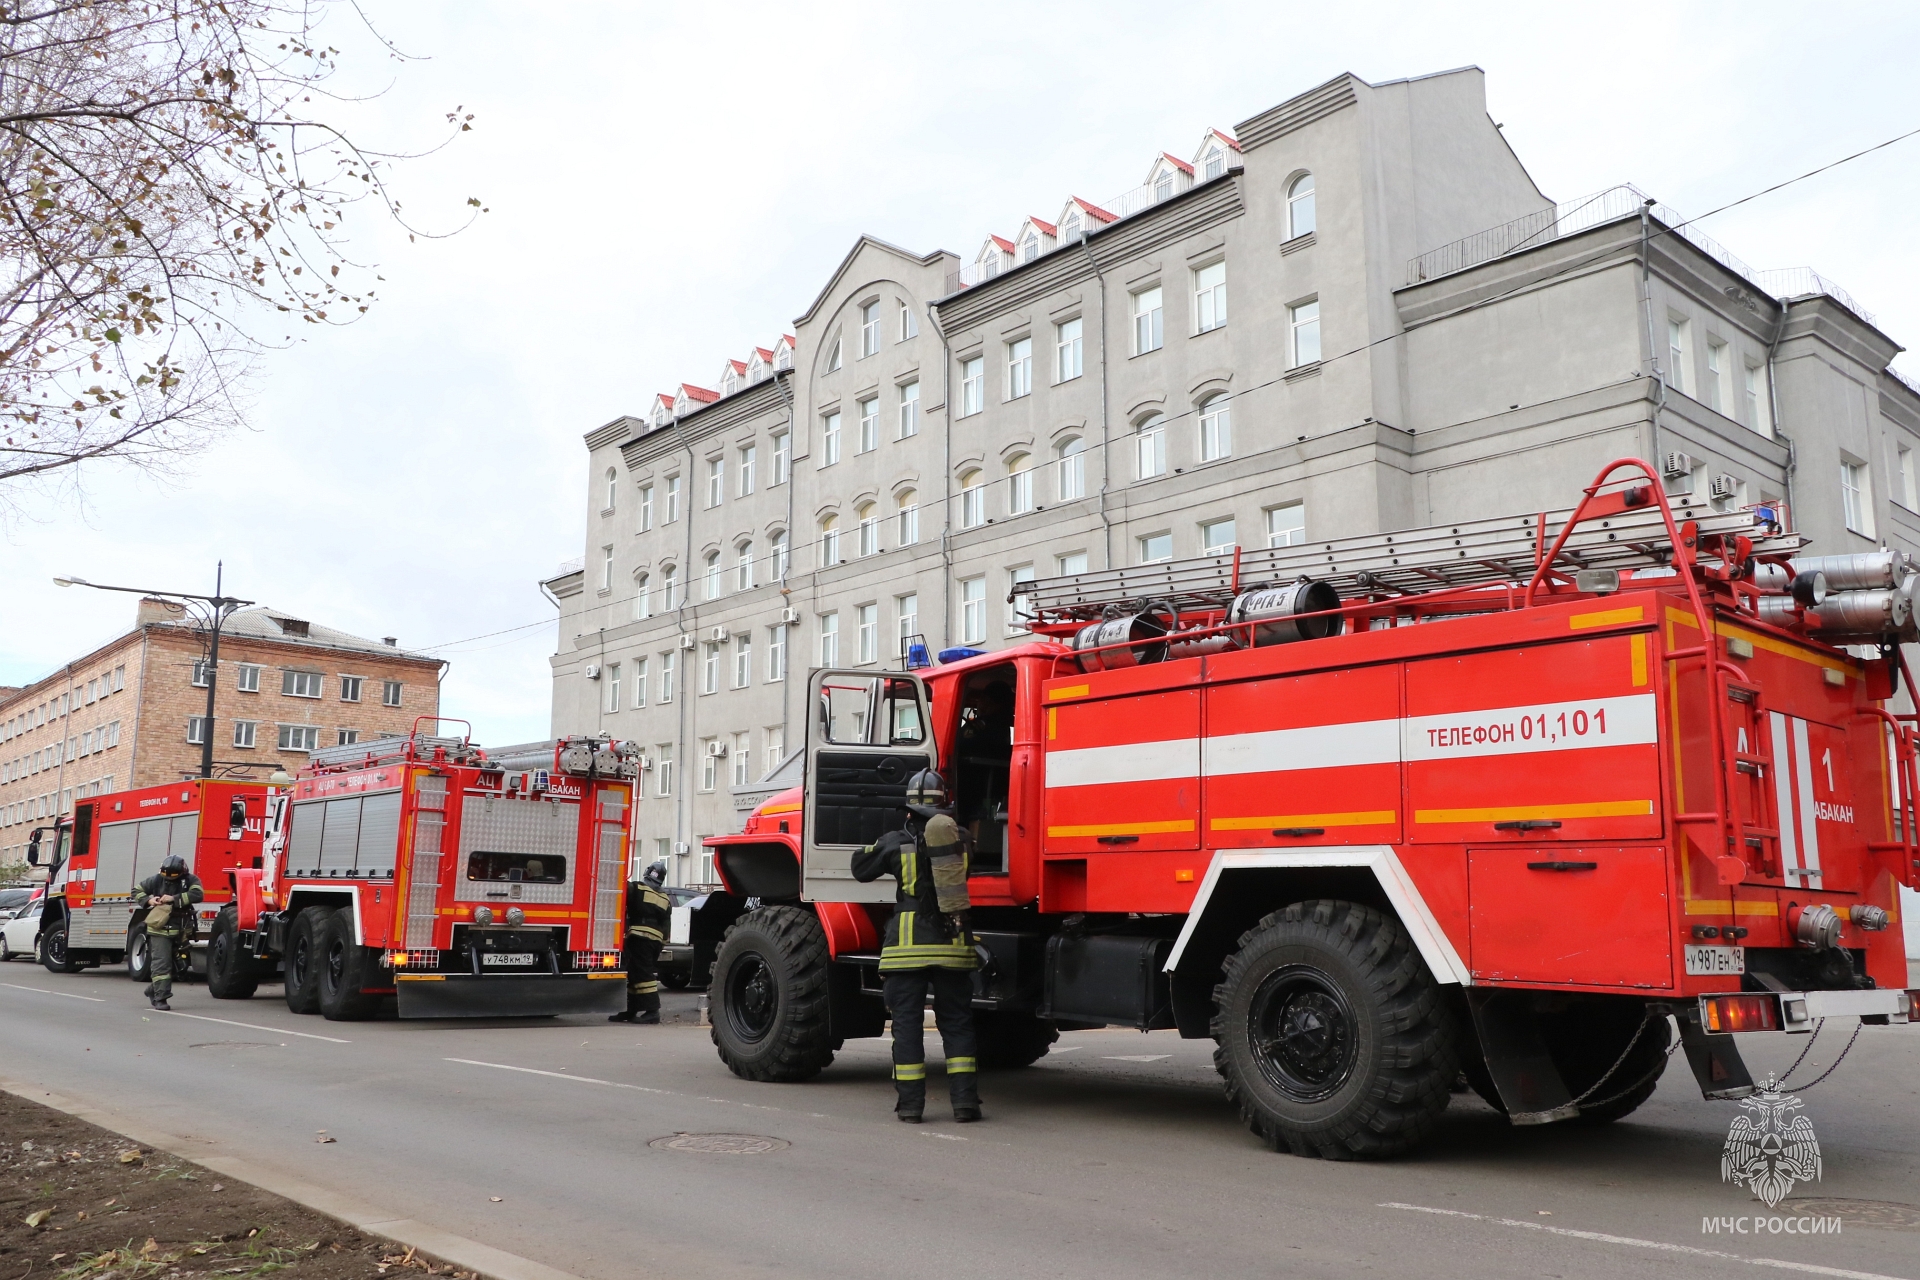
<point x="526" y="957"/>
<point x="1714" y="961"/>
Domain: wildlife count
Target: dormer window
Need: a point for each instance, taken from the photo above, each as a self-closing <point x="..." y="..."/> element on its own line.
<point x="729" y="383"/>
<point x="783" y="356"/>
<point x="680" y="404"/>
<point x="1070" y="229"/>
<point x="1215" y="163"/>
<point x="1031" y="249"/>
<point x="1163" y="186"/>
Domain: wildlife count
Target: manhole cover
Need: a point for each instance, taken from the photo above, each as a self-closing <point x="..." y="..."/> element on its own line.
<point x="1861" y="1213"/>
<point x="233" y="1044"/>
<point x="720" y="1144"/>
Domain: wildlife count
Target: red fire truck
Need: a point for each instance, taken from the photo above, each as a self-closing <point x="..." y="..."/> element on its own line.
<point x="1518" y="799"/>
<point x="420" y="867"/>
<point x="110" y="843"/>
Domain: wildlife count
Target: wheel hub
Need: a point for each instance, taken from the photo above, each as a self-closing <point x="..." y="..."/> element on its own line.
<point x="753" y="997"/>
<point x="1302" y="1032"/>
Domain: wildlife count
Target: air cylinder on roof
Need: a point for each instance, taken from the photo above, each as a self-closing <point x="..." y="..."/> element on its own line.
<point x="1131" y="640"/>
<point x="1277" y="613"/>
<point x="1862" y="571"/>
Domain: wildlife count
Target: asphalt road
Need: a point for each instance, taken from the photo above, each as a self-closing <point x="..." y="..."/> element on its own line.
<point x="1116" y="1156"/>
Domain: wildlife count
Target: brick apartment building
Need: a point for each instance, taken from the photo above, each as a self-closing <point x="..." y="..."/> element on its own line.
<point x="131" y="713"/>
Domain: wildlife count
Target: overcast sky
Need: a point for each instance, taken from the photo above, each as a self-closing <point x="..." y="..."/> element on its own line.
<point x="670" y="184"/>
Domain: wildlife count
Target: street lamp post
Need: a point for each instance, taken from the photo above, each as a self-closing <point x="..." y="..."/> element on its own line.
<point x="209" y="613"/>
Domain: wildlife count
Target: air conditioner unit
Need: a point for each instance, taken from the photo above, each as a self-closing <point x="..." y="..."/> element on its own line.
<point x="1677" y="464"/>
<point x="1723" y="486"/>
<point x="687" y="642"/>
<point x="717" y="748"/>
<point x="643" y="763"/>
<point x="593" y="671"/>
<point x="718" y="635"/>
<point x="789" y="617"/>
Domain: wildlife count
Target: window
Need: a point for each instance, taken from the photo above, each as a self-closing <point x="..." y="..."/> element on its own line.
<point x="776" y="746"/>
<point x="909" y="323"/>
<point x="1210" y="297"/>
<point x="743" y="567"/>
<point x="1719" y="377"/>
<point x="829" y="541"/>
<point x="743" y="660"/>
<point x="197" y="730"/>
<point x="244" y="732"/>
<point x="1019" y="368"/>
<point x="345" y="737"/>
<point x="1155" y="547"/>
<point x="1909" y="481"/>
<point x="639" y="682"/>
<point x="973" y="499"/>
<point x="1147" y="321"/>
<point x="1300" y="206"/>
<point x="869" y="529"/>
<point x="1678" y="336"/>
<point x="830" y="439"/>
<point x="741" y="753"/>
<point x="908" y="504"/>
<point x="748" y="455"/>
<point x="299" y="737"/>
<point x="782" y="457"/>
<point x="663" y="769"/>
<point x="606" y="568"/>
<point x="669" y="587"/>
<point x="709" y="763"/>
<point x="868" y="633"/>
<point x="779" y="541"/>
<point x="906" y="612"/>
<point x="93" y="692"/>
<point x="1150" y="446"/>
<point x="673" y="499"/>
<point x="1019" y="484"/>
<point x="120" y="678"/>
<point x="1758" y="416"/>
<point x="1217" y="536"/>
<point x="1216" y="428"/>
<point x="613" y="489"/>
<point x="201" y="677"/>
<point x="833" y="354"/>
<point x="973" y="610"/>
<point x="713" y="575"/>
<point x="667" y="663"/>
<point x="246" y="678"/>
<point x="783" y="355"/>
<point x="1070" y="227"/>
<point x="1019" y="616"/>
<point x="1070" y="468"/>
<point x="716" y="480"/>
<point x="642" y="597"/>
<point x="389" y="693"/>
<point x="1856" y="497"/>
<point x="869" y="425"/>
<point x="646" y="507"/>
<point x="1030" y="247"/>
<point x="710" y="666"/>
<point x="1214" y="165"/>
<point x="1163" y="186"/>
<point x="1066" y="350"/>
<point x="1303" y="323"/>
<point x="830" y="639"/>
<point x="973" y="375"/>
<point x="350" y="688"/>
<point x="299" y="684"/>
<point x="613" y="686"/>
<point x="909" y="423"/>
<point x="1287" y="526"/>
<point x="869" y="329"/>
<point x="776" y="653"/>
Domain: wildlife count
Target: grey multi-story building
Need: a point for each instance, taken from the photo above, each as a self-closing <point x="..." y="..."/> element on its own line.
<point x="1355" y="314"/>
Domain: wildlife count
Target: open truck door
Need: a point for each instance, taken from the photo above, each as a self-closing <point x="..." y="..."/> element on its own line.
<point x="867" y="733"/>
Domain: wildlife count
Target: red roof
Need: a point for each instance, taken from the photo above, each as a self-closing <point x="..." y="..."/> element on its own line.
<point x="788" y="339"/>
<point x="1232" y="142"/>
<point x="701" y="394"/>
<point x="1047" y="227"/>
<point x="1183" y="165"/>
<point x="1094" y="210"/>
<point x="1006" y="246"/>
<point x="764" y="354"/>
<point x="666" y="401"/>
<point x="739" y="366"/>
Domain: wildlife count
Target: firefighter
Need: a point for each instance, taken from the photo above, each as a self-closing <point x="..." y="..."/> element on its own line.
<point x="648" y="913"/>
<point x="168" y="898"/>
<point x="929" y="945"/>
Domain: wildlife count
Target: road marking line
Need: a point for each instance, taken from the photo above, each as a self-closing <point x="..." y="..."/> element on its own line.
<point x="253" y="1026"/>
<point x="1136" y="1057"/>
<point x="637" y="1088"/>
<point x="43" y="991"/>
<point x="1661" y="1245"/>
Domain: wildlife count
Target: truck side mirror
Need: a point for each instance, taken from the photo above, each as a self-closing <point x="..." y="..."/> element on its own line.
<point x="33" y="849"/>
<point x="236" y="819"/>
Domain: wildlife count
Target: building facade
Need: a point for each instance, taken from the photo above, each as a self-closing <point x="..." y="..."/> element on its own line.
<point x="1355" y="314"/>
<point x="132" y="713"/>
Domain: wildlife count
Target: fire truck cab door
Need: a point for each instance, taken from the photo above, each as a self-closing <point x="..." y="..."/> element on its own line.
<point x="867" y="734"/>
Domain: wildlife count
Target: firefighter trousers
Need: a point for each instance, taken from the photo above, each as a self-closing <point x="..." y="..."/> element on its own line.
<point x="906" y="994"/>
<point x="641" y="956"/>
<point x="160" y="947"/>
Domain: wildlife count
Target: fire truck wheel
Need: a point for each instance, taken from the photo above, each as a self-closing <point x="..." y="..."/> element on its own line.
<point x="137" y="954"/>
<point x="1334" y="1039"/>
<point x="53" y="951"/>
<point x="345" y="967"/>
<point x="1009" y="1040"/>
<point x="769" y="996"/>
<point x="303" y="959"/>
<point x="230" y="976"/>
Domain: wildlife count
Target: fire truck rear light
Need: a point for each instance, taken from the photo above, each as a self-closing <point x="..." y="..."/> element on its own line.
<point x="1723" y="1014"/>
<point x="1909" y="1002"/>
<point x="413" y="959"/>
<point x="596" y="960"/>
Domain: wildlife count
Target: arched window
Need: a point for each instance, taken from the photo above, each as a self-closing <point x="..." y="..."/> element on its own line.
<point x="1216" y="427"/>
<point x="1070" y="229"/>
<point x="908" y="504"/>
<point x="1300" y="206"/>
<point x="1163" y="185"/>
<point x="669" y="587"/>
<point x="973" y="499"/>
<point x="833" y="354"/>
<point x="613" y="486"/>
<point x="1031" y="249"/>
<point x="1070" y="470"/>
<point x="729" y="383"/>
<point x="1150" y="442"/>
<point x="869" y="515"/>
<point x="642" y="597"/>
<point x="1215" y="164"/>
<point x="713" y="575"/>
<point x="779" y="541"/>
<point x="1019" y="484"/>
<point x="783" y="357"/>
<point x="743" y="568"/>
<point x="829" y="541"/>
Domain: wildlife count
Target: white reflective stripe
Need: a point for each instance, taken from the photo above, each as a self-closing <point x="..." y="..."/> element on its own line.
<point x="1631" y="720"/>
<point x="1809" y="816"/>
<point x="1127" y="762"/>
<point x="1783" y="789"/>
<point x="1321" y="746"/>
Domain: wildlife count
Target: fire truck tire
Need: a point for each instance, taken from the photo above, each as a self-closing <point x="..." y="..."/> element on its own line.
<point x="230" y="976"/>
<point x="769" y="996"/>
<point x="344" y="968"/>
<point x="1009" y="1040"/>
<point x="136" y="959"/>
<point x="53" y="951"/>
<point x="1333" y="1038"/>
<point x="304" y="949"/>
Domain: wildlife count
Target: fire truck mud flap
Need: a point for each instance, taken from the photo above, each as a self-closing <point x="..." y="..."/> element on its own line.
<point x="502" y="995"/>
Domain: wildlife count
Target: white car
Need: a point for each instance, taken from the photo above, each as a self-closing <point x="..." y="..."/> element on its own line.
<point x="17" y="931"/>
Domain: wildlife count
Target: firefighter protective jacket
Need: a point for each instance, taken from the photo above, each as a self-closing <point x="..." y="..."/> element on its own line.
<point x="649" y="911"/>
<point x="186" y="893"/>
<point x="928" y="930"/>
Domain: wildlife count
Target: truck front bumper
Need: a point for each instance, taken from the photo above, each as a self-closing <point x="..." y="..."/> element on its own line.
<point x="508" y="995"/>
<point x="1803" y="1010"/>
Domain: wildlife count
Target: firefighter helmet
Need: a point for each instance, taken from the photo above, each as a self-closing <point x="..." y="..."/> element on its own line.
<point x="656" y="873"/>
<point x="174" y="867"/>
<point x="926" y="790"/>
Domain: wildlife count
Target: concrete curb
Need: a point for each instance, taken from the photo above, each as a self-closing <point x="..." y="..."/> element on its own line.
<point x="465" y="1253"/>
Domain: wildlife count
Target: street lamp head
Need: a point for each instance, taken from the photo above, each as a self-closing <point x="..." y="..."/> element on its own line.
<point x="66" y="582"/>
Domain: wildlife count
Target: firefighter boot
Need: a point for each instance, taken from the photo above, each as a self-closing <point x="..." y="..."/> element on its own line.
<point x="621" y="1017"/>
<point x="910" y="1086"/>
<point x="963" y="1086"/>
